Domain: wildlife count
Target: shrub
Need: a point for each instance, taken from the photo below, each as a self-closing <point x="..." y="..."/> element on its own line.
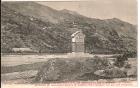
<point x="120" y="60"/>
<point x="131" y="54"/>
<point x="97" y="63"/>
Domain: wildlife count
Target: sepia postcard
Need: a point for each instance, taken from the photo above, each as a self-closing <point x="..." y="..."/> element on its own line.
<point x="69" y="44"/>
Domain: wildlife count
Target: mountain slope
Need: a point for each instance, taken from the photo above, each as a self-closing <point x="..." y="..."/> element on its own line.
<point x="18" y="30"/>
<point x="36" y="10"/>
<point x="28" y="24"/>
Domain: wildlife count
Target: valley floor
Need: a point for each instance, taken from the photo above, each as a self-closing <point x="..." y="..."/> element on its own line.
<point x="23" y="68"/>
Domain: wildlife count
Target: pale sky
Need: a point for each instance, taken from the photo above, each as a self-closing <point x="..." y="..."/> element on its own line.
<point x="125" y="10"/>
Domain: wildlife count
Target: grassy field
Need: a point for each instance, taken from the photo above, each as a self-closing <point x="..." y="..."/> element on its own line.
<point x="14" y="60"/>
<point x="16" y="63"/>
<point x="22" y="68"/>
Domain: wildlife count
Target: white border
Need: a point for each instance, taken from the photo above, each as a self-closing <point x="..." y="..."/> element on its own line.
<point x="47" y="0"/>
<point x="138" y="40"/>
<point x="32" y="86"/>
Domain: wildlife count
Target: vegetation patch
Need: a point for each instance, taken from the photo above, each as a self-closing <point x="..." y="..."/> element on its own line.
<point x="71" y="69"/>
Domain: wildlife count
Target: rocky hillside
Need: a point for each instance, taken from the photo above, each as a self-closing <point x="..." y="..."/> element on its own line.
<point x="18" y="30"/>
<point x="28" y="24"/>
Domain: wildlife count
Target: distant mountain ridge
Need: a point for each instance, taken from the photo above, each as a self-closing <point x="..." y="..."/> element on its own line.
<point x="44" y="13"/>
<point x="29" y="24"/>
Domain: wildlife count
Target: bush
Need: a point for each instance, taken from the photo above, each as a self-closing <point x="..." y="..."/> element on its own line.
<point x="120" y="60"/>
<point x="131" y="54"/>
<point x="97" y="63"/>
